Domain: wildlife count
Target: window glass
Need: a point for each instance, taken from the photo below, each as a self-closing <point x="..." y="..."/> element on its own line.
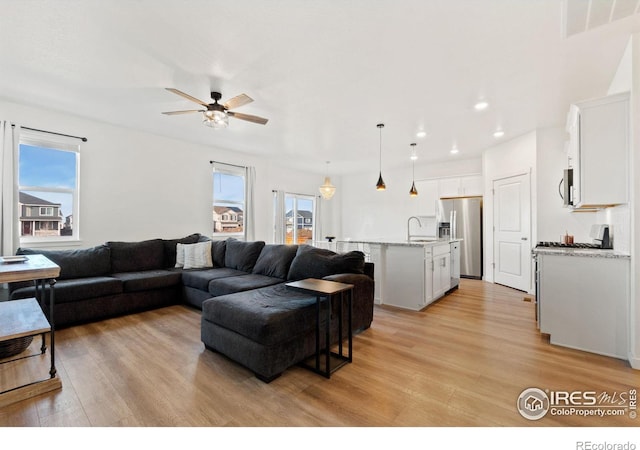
<point x="299" y="218"/>
<point x="229" y="187"/>
<point x="47" y="190"/>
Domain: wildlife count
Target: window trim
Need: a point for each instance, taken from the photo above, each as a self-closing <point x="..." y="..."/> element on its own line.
<point x="46" y="140"/>
<point x="238" y="171"/>
<point x="295" y="219"/>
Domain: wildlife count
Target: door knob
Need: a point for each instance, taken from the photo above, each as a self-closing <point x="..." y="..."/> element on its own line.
<point x="524" y="238"/>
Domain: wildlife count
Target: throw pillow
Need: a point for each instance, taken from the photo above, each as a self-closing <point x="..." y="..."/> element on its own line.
<point x="312" y="262"/>
<point x="275" y="260"/>
<point x="197" y="256"/>
<point x="241" y="255"/>
<point x="170" y="247"/>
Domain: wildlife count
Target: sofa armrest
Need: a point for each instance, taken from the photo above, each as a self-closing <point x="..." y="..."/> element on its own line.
<point x="363" y="294"/>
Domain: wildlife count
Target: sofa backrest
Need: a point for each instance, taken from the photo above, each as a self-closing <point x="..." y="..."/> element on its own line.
<point x="275" y="260"/>
<point x="80" y="263"/>
<point x="312" y="262"/>
<point x="218" y="250"/>
<point x="169" y="247"/>
<point x="136" y="256"/>
<point x="241" y="255"/>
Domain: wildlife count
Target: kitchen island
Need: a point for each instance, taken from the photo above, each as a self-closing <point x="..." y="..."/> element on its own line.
<point x="411" y="274"/>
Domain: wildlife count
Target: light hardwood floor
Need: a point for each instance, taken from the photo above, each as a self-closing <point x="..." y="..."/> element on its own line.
<point x="461" y="362"/>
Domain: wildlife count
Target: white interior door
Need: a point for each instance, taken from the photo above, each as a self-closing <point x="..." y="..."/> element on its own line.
<point x="512" y="231"/>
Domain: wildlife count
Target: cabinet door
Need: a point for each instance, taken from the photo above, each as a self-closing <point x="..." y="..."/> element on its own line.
<point x="449" y="187"/>
<point x="604" y="155"/>
<point x="472" y="186"/>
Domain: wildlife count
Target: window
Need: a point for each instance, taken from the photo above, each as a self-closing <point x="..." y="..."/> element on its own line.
<point x="229" y="200"/>
<point x="299" y="218"/>
<point x="47" y="188"/>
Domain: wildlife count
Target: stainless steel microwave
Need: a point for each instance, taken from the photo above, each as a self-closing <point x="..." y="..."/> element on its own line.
<point x="566" y="191"/>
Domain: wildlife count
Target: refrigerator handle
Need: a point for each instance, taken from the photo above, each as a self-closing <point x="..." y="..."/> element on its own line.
<point x="452" y="224"/>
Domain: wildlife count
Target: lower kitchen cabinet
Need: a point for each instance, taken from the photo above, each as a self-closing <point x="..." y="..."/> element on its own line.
<point x="441" y="270"/>
<point x="583" y="302"/>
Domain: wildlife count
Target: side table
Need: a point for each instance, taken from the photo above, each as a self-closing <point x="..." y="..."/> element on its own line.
<point x="23" y="318"/>
<point x="326" y="290"/>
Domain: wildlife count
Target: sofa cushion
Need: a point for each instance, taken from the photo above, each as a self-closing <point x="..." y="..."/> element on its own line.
<point x="312" y="262"/>
<point x="77" y="289"/>
<point x="194" y="256"/>
<point x="148" y="279"/>
<point x="218" y="250"/>
<point x="242" y="255"/>
<point x="136" y="256"/>
<point x="199" y="279"/>
<point x="275" y="260"/>
<point x="170" y="248"/>
<point x="269" y="315"/>
<point x="80" y="263"/>
<point x="230" y="285"/>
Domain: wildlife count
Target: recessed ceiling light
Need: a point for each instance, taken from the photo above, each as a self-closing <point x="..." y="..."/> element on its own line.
<point x="498" y="134"/>
<point x="454" y="150"/>
<point x="481" y="105"/>
<point x="421" y="134"/>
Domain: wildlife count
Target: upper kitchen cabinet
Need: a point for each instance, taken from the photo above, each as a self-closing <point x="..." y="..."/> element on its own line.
<point x="466" y="186"/>
<point x="598" y="151"/>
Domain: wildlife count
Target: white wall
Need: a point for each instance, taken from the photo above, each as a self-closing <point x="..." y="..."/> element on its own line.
<point x="553" y="219"/>
<point x="136" y="185"/>
<point x="371" y="214"/>
<point x="514" y="157"/>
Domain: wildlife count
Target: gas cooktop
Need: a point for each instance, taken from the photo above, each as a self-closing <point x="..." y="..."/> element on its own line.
<point x="574" y="245"/>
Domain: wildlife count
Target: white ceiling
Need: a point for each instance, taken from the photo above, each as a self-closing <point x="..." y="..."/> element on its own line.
<point x="324" y="73"/>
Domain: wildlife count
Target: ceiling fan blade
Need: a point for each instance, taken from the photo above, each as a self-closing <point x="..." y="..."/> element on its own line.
<point x="174" y="113"/>
<point x="248" y="117"/>
<point x="187" y="96"/>
<point x="237" y="101"/>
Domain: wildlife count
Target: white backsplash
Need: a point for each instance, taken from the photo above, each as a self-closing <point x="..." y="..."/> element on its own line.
<point x="619" y="220"/>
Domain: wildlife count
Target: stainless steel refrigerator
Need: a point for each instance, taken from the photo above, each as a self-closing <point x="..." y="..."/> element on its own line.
<point x="461" y="218"/>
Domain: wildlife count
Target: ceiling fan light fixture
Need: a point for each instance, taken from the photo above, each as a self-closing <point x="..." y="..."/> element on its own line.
<point x="216" y="119"/>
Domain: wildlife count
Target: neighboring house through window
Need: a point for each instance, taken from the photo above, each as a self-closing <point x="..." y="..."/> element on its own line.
<point x="299" y="218"/>
<point x="47" y="187"/>
<point x="229" y="200"/>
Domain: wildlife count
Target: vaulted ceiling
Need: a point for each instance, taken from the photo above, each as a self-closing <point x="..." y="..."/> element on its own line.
<point x="324" y="73"/>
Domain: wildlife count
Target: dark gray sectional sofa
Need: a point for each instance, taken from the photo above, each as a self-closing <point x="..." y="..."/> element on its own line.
<point x="248" y="313"/>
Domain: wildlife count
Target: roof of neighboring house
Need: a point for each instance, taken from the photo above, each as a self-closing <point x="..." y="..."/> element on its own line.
<point x="222" y="209"/>
<point x="28" y="199"/>
<point x="301" y="213"/>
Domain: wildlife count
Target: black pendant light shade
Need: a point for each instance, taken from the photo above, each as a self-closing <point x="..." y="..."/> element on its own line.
<point x="413" y="192"/>
<point x="380" y="186"/>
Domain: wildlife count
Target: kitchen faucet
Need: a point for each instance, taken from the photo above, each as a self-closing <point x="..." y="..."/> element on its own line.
<point x="408" y="229"/>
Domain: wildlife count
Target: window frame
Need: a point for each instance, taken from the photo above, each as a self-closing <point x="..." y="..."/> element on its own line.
<point x="294" y="217"/>
<point x="232" y="170"/>
<point x="58" y="143"/>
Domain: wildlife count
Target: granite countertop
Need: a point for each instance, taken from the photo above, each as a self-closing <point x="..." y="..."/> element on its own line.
<point x="585" y="252"/>
<point x="422" y="242"/>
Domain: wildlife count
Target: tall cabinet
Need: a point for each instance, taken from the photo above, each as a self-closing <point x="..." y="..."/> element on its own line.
<point x="598" y="151"/>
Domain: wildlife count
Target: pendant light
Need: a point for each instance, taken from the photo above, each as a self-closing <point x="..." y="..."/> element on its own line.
<point x="380" y="184"/>
<point x="327" y="189"/>
<point x="413" y="192"/>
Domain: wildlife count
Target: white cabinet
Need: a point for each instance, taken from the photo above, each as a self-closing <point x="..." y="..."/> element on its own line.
<point x="405" y="283"/>
<point x="584" y="302"/>
<point x="466" y="186"/>
<point x="598" y="151"/>
<point x="427" y="199"/>
<point x="441" y="270"/>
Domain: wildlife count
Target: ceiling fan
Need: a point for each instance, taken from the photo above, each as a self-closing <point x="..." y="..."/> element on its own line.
<point x="216" y="115"/>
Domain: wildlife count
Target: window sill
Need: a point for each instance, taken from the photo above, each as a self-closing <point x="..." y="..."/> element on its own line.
<point x="44" y="244"/>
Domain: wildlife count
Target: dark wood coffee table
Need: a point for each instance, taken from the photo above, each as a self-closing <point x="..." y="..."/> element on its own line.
<point x="325" y="290"/>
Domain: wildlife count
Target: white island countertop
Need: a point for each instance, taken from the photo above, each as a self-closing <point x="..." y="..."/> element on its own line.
<point x="417" y="242"/>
